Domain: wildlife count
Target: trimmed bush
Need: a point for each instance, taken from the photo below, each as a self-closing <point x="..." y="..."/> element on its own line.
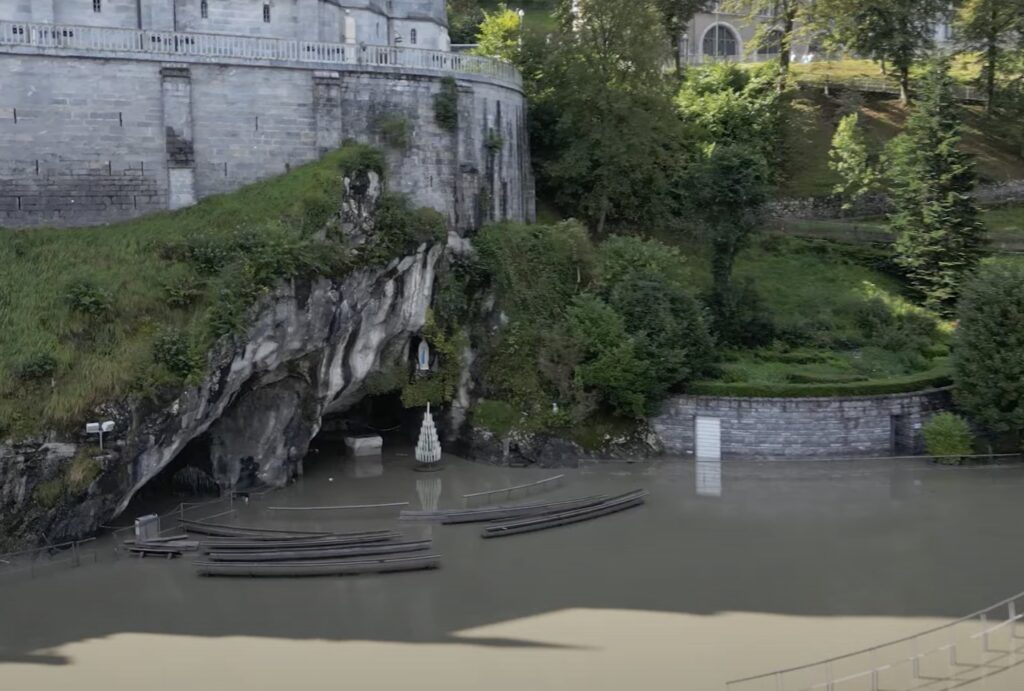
<point x="948" y="439"/>
<point x="935" y="378"/>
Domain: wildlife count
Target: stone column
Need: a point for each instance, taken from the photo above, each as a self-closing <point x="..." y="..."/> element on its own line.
<point x="327" y="110"/>
<point x="181" y="160"/>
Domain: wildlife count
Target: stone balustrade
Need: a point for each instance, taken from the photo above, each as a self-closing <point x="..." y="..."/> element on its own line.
<point x="172" y="45"/>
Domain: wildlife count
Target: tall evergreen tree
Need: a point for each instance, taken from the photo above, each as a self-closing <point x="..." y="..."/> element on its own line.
<point x="939" y="238"/>
<point x="993" y="30"/>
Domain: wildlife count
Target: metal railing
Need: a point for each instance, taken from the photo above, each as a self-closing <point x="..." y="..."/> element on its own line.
<point x="33" y="562"/>
<point x="170" y="522"/>
<point x="967" y="650"/>
<point x="314" y="53"/>
<point x="967" y="94"/>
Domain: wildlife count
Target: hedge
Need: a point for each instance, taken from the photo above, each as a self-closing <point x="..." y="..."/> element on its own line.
<point x="935" y="378"/>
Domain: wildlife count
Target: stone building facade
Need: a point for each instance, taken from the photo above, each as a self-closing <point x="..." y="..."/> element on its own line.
<point x="110" y="109"/>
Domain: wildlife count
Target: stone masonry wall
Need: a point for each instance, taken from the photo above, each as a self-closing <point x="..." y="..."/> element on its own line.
<point x="812" y="428"/>
<point x="90" y="141"/>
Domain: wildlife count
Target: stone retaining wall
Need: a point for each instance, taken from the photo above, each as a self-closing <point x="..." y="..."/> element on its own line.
<point x="831" y="207"/>
<point x="804" y="427"/>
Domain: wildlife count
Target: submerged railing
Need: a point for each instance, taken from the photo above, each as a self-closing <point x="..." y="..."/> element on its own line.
<point x="962" y="652"/>
<point x="314" y="53"/>
<point x="33" y="562"/>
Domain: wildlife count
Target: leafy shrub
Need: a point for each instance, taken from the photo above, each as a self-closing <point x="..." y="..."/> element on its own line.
<point x="395" y="131"/>
<point x="494" y="142"/>
<point x="948" y="438"/>
<point x="183" y="291"/>
<point x="498" y="417"/>
<point x="173" y="351"/>
<point x="446" y="105"/>
<point x="318" y="206"/>
<point x="358" y="159"/>
<point x="85" y="297"/>
<point x="399" y="228"/>
<point x="622" y="255"/>
<point x="36" y="367"/>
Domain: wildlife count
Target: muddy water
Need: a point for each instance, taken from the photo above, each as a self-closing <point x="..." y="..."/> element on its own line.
<point x="729" y="570"/>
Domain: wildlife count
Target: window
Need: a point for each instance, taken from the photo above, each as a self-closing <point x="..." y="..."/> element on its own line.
<point x="771" y="44"/>
<point x="413" y="37"/>
<point x="266" y="13"/>
<point x="97" y="5"/>
<point x="721" y="42"/>
<point x="204" y="9"/>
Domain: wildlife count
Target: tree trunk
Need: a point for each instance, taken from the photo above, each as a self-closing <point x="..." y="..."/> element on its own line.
<point x="904" y="84"/>
<point x="991" y="65"/>
<point x="786" y="47"/>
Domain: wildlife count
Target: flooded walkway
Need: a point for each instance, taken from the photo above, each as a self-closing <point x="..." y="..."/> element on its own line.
<point x="728" y="571"/>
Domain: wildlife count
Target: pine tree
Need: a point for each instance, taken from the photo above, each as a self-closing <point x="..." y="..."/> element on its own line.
<point x="939" y="237"/>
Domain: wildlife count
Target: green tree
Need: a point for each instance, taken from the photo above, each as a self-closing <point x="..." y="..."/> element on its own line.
<point x="676" y="17"/>
<point x="988" y="358"/>
<point x="615" y="150"/>
<point x="464" y="19"/>
<point x="500" y="35"/>
<point x="850" y="158"/>
<point x="895" y="32"/>
<point x="939" y="238"/>
<point x="728" y="190"/>
<point x="789" y="17"/>
<point x="992" y="29"/>
<point x="726" y="104"/>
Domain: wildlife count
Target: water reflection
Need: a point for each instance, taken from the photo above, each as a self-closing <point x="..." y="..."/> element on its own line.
<point x="709" y="477"/>
<point x="357" y="467"/>
<point x="428" y="489"/>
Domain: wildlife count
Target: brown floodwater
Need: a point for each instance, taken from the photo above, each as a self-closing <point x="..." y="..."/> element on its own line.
<point x="730" y="569"/>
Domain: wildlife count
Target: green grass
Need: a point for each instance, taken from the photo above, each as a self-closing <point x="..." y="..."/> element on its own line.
<point x="839" y="321"/>
<point x="964" y="69"/>
<point x="92" y="315"/>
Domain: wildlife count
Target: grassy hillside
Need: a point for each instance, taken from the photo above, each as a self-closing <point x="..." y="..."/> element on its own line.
<point x="89" y="315"/>
<point x="841" y="323"/>
<point x="998" y="158"/>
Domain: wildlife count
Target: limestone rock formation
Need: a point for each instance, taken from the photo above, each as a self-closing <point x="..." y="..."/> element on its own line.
<point x="309" y="349"/>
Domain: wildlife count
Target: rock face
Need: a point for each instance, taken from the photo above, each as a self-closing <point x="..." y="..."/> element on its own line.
<point x="309" y="350"/>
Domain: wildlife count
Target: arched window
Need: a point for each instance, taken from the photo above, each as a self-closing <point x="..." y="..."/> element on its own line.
<point x="413" y="37"/>
<point x="721" y="42"/>
<point x="771" y="43"/>
<point x="204" y="9"/>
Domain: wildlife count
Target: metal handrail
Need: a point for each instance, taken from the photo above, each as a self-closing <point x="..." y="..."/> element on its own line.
<point x="1011" y="619"/>
<point x="314" y="53"/>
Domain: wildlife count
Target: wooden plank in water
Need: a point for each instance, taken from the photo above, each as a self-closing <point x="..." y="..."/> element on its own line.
<point x="529" y="525"/>
<point x="514" y="488"/>
<point x="360" y="507"/>
<point x="220" y="530"/>
<point x="307" y="553"/>
<point x="324" y="541"/>
<point x="495" y="513"/>
<point x="318" y="568"/>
